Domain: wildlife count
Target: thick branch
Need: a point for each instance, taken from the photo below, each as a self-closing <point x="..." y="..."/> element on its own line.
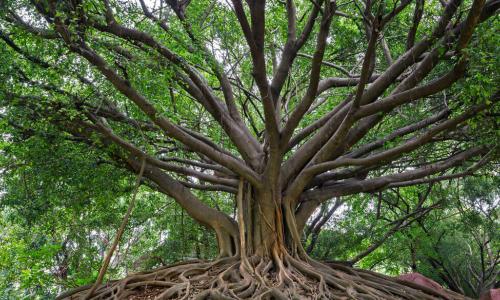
<point x="170" y="129"/>
<point x="312" y="88"/>
<point x="352" y="186"/>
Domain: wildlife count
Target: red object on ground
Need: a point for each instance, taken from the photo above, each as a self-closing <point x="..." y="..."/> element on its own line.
<point x="422" y="280"/>
<point x="493" y="294"/>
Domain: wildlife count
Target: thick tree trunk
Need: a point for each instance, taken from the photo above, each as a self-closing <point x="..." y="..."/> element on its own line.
<point x="261" y="223"/>
<point x="264" y="228"/>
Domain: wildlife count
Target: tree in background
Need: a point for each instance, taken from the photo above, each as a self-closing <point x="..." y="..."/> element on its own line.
<point x="451" y="237"/>
<point x="284" y="105"/>
<point x="460" y="247"/>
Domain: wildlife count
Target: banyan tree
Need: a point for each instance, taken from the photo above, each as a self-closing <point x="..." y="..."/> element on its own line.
<point x="279" y="105"/>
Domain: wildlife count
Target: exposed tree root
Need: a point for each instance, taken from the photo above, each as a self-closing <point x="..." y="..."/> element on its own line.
<point x="289" y="278"/>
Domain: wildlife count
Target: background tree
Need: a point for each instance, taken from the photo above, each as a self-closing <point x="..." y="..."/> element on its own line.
<point x="285" y="113"/>
<point x="456" y="245"/>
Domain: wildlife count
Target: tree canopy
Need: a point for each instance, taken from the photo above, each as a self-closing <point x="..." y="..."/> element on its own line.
<point x="261" y="121"/>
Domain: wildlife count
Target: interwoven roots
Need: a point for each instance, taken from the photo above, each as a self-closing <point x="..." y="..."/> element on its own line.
<point x="256" y="278"/>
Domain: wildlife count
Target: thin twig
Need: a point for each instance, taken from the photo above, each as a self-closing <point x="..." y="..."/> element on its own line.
<point x="119" y="234"/>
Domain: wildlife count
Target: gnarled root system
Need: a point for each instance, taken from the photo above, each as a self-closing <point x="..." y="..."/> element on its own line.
<point x="257" y="278"/>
